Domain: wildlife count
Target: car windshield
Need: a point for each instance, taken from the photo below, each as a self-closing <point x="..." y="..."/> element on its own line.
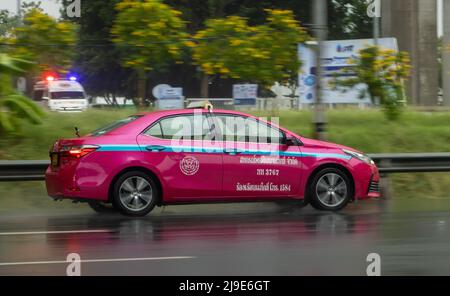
<point x="115" y="125"/>
<point x="61" y="95"/>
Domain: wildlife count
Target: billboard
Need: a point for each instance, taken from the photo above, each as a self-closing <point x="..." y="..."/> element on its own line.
<point x="335" y="57"/>
<point x="245" y="94"/>
<point x="168" y="98"/>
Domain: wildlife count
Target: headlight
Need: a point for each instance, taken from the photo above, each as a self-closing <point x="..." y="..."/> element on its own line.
<point x="359" y="156"/>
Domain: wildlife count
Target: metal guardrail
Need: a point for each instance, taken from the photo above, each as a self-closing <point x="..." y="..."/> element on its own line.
<point x="412" y="162"/>
<point x="34" y="170"/>
<point x="23" y="170"/>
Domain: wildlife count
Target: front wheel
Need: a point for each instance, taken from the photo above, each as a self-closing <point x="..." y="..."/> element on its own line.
<point x="135" y="194"/>
<point x="330" y="190"/>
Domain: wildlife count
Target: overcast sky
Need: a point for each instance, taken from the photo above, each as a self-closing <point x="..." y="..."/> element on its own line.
<point x="52" y="8"/>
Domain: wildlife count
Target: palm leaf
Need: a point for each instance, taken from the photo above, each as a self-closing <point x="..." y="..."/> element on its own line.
<point x="36" y="108"/>
<point x="5" y="122"/>
<point x="13" y="65"/>
<point x="22" y="109"/>
<point x="22" y="63"/>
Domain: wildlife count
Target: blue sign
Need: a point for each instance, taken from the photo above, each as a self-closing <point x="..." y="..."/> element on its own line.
<point x="310" y="80"/>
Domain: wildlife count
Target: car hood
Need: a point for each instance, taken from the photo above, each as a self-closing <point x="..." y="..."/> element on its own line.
<point x="327" y="145"/>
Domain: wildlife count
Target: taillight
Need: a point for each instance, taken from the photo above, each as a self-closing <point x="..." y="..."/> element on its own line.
<point x="79" y="151"/>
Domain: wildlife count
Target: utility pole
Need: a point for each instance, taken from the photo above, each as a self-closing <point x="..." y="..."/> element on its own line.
<point x="376" y="30"/>
<point x="320" y="28"/>
<point x="446" y="54"/>
<point x="374" y="12"/>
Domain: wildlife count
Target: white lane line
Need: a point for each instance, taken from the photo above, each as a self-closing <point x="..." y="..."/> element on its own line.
<point x="97" y="260"/>
<point x="54" y="232"/>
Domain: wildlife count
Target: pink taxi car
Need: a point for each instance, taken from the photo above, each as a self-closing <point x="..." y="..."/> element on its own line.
<point x="202" y="156"/>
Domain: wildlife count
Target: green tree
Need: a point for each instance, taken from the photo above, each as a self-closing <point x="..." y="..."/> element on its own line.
<point x="14" y="107"/>
<point x="46" y="41"/>
<point x="7" y="23"/>
<point x="384" y="72"/>
<point x="150" y="33"/>
<point x="348" y="19"/>
<point x="264" y="54"/>
<point x="97" y="59"/>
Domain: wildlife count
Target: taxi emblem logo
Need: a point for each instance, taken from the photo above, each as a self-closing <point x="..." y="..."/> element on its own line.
<point x="189" y="165"/>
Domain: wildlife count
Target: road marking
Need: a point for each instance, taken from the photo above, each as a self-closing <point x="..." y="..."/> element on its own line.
<point x="97" y="260"/>
<point x="54" y="232"/>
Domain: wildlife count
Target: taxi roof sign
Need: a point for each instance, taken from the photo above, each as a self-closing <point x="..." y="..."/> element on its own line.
<point x="200" y="105"/>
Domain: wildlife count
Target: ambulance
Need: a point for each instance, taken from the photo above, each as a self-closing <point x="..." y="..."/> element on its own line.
<point x="61" y="95"/>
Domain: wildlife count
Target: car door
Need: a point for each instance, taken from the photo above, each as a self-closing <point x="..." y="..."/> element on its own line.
<point x="181" y="148"/>
<point x="257" y="162"/>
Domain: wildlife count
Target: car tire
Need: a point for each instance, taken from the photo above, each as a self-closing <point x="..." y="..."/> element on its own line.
<point x="330" y="190"/>
<point x="135" y="194"/>
<point x="101" y="207"/>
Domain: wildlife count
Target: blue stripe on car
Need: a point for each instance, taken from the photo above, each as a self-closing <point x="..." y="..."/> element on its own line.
<point x="185" y="149"/>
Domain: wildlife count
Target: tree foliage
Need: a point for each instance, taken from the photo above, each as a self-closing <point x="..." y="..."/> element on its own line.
<point x="99" y="64"/>
<point x="384" y="72"/>
<point x="7" y="23"/>
<point x="348" y="19"/>
<point x="265" y="54"/>
<point x="150" y="34"/>
<point x="46" y="41"/>
<point x="97" y="60"/>
<point x="150" y="31"/>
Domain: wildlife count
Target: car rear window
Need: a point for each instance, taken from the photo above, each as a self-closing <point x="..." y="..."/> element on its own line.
<point x="115" y="125"/>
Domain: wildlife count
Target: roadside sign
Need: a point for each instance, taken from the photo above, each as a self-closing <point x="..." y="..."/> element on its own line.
<point x="245" y="94"/>
<point x="168" y="98"/>
<point x="159" y="90"/>
<point x="336" y="55"/>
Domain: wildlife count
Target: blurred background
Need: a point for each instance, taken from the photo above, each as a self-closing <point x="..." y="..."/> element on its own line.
<point x="383" y="88"/>
<point x="370" y="74"/>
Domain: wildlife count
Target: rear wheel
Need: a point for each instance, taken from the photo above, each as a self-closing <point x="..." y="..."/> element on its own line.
<point x="135" y="194"/>
<point x="330" y="190"/>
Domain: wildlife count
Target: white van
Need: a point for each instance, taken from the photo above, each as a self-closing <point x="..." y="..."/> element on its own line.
<point x="61" y="95"/>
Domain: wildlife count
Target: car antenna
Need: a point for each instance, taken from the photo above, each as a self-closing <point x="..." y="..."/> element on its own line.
<point x="77" y="132"/>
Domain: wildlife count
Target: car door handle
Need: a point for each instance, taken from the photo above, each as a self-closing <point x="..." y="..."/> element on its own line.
<point x="232" y="151"/>
<point x="155" y="148"/>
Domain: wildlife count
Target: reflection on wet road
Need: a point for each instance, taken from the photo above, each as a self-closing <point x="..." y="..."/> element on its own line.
<point x="270" y="241"/>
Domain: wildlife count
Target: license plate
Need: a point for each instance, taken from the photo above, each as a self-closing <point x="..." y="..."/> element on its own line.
<point x="54" y="159"/>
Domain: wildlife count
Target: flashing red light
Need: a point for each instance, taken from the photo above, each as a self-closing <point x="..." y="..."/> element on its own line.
<point x="50" y="78"/>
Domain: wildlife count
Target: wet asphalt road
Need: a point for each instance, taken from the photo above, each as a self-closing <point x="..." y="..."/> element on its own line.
<point x="270" y="240"/>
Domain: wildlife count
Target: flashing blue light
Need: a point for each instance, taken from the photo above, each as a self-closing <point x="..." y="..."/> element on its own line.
<point x="73" y="78"/>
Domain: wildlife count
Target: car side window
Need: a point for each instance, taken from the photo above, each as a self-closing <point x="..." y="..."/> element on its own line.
<point x="182" y="127"/>
<point x="247" y="129"/>
<point x="155" y="131"/>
